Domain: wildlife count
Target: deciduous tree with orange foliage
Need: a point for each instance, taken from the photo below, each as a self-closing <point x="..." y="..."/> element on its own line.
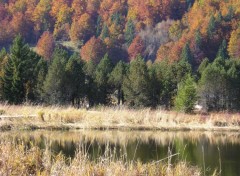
<point x="41" y="16"/>
<point x="93" y="50"/>
<point x="82" y="28"/>
<point x="136" y="48"/>
<point x="46" y="45"/>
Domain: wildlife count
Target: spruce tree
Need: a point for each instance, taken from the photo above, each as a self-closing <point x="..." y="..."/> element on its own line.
<point x="136" y="86"/>
<point x="211" y="26"/>
<point x="3" y="61"/>
<point x="103" y="70"/>
<point x="198" y="39"/>
<point x="213" y="85"/>
<point x="186" y="95"/>
<point x="3" y="53"/>
<point x="31" y="76"/>
<point x="116" y="79"/>
<point x="19" y="72"/>
<point x="6" y="81"/>
<point x="105" y="32"/>
<point x="54" y="85"/>
<point x="129" y="32"/>
<point x="155" y="84"/>
<point x="90" y="85"/>
<point x="99" y="26"/>
<point x="222" y="51"/>
<point x="41" y="72"/>
<point x="184" y="65"/>
<point x="203" y="65"/>
<point x="75" y="79"/>
<point x="168" y="82"/>
<point x="186" y="55"/>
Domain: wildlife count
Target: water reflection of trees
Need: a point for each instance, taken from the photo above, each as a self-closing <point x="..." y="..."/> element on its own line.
<point x="163" y="138"/>
<point x="143" y="145"/>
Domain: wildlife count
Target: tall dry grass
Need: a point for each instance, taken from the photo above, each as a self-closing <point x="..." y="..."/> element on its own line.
<point x="16" y="159"/>
<point x="113" y="118"/>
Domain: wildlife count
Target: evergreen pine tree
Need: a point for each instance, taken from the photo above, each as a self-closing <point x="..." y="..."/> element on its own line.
<point x="116" y="79"/>
<point x="155" y="85"/>
<point x="129" y="32"/>
<point x="54" y="85"/>
<point x="211" y="26"/>
<point x="103" y="70"/>
<point x="18" y="74"/>
<point x="41" y="72"/>
<point x="3" y="61"/>
<point x="198" y="39"/>
<point x="99" y="27"/>
<point x="222" y="51"/>
<point x="75" y="82"/>
<point x="184" y="65"/>
<point x="90" y="85"/>
<point x="31" y="76"/>
<point x="186" y="95"/>
<point x="105" y="32"/>
<point x="7" y="81"/>
<point x="202" y="67"/>
<point x="136" y="86"/>
<point x="186" y="55"/>
<point x="168" y="82"/>
<point x="3" y="53"/>
<point x="213" y="85"/>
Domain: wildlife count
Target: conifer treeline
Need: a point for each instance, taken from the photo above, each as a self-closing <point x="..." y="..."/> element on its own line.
<point x="66" y="79"/>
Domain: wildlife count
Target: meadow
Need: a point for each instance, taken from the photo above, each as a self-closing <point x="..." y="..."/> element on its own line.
<point x="61" y="117"/>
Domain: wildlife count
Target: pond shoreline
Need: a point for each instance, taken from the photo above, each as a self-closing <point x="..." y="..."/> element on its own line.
<point x="26" y="117"/>
<point x="59" y="126"/>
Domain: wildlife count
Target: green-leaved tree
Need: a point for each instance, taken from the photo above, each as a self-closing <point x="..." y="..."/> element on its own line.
<point x="116" y="79"/>
<point x="54" y="85"/>
<point x="18" y="77"/>
<point x="75" y="79"/>
<point x="103" y="71"/>
<point x="136" y="87"/>
<point x="186" y="95"/>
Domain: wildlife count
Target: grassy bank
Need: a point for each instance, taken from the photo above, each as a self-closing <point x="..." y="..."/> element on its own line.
<point x="17" y="160"/>
<point x="53" y="117"/>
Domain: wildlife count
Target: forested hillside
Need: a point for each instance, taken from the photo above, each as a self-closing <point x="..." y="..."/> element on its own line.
<point x="141" y="53"/>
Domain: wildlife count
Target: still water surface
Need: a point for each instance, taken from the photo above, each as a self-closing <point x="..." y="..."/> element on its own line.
<point x="207" y="150"/>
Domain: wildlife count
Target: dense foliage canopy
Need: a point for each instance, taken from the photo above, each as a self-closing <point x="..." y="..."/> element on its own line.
<point x="133" y="52"/>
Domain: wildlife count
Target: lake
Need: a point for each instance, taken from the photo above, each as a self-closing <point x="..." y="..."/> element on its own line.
<point x="207" y="150"/>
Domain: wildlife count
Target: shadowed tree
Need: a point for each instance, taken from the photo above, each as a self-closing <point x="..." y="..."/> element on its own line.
<point x="136" y="86"/>
<point x="222" y="51"/>
<point x="103" y="71"/>
<point x="129" y="32"/>
<point x="54" y="85"/>
<point x="90" y="85"/>
<point x="75" y="82"/>
<point x="116" y="79"/>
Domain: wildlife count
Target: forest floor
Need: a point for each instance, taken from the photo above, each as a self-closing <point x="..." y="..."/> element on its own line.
<point x="28" y="117"/>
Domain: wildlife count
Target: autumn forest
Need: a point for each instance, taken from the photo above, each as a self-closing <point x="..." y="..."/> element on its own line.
<point x="152" y="53"/>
